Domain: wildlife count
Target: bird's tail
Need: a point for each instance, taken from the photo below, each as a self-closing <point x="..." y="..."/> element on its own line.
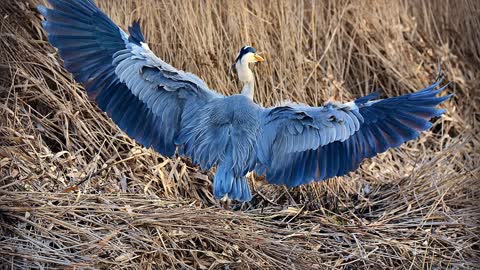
<point x="225" y="183"/>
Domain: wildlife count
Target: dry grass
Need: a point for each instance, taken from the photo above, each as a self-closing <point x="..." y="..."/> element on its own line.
<point x="415" y="207"/>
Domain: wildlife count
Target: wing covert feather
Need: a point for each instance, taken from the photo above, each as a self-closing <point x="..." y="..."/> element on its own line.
<point x="146" y="97"/>
<point x="334" y="139"/>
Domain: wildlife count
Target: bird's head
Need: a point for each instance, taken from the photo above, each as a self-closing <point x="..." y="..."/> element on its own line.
<point x="246" y="56"/>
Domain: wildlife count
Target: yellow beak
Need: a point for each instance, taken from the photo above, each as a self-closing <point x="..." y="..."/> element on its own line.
<point x="258" y="58"/>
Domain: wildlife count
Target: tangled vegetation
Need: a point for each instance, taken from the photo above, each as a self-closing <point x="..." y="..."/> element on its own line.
<point x="77" y="193"/>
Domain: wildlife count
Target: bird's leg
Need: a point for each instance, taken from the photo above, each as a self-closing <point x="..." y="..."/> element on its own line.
<point x="225" y="203"/>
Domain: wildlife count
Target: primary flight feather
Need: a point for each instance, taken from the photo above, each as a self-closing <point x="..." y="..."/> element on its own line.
<point x="171" y="110"/>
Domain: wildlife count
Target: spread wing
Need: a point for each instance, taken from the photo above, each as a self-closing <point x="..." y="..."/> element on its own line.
<point x="299" y="144"/>
<point x="147" y="98"/>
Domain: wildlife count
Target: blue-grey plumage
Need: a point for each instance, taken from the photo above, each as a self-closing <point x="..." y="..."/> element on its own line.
<point x="174" y="111"/>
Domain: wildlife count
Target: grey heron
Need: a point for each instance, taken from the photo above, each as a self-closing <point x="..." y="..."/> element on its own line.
<point x="176" y="112"/>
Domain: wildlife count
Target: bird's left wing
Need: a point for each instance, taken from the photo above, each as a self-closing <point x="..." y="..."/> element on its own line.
<point x="299" y="144"/>
<point x="144" y="96"/>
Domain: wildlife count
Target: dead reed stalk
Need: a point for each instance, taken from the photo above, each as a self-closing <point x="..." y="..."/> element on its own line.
<point x="415" y="207"/>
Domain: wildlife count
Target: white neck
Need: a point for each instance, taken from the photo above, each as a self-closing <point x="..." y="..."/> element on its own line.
<point x="246" y="77"/>
<point x="248" y="89"/>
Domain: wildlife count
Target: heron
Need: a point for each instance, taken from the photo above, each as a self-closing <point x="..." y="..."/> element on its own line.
<point x="176" y="113"/>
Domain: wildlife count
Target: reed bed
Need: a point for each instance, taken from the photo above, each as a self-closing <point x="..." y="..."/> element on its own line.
<point x="77" y="193"/>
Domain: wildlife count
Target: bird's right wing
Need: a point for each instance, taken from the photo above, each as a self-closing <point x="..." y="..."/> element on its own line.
<point x="146" y="97"/>
<point x="299" y="143"/>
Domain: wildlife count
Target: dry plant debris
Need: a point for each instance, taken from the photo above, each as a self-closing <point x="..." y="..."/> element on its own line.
<point x="76" y="193"/>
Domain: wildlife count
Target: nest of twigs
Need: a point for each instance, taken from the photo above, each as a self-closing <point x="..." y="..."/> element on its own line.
<point x="77" y="193"/>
